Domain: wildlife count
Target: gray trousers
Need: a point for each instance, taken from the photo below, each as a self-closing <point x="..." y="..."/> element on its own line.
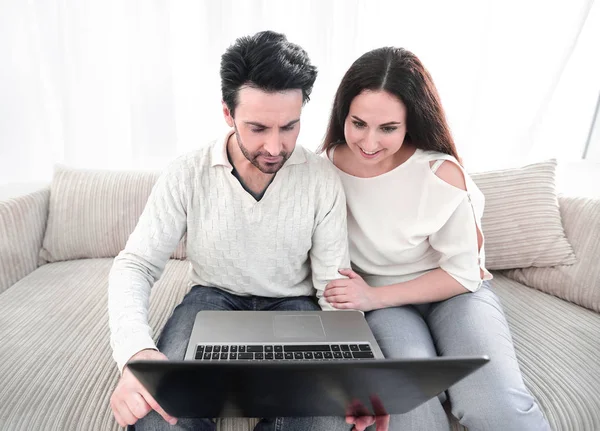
<point x="492" y="398"/>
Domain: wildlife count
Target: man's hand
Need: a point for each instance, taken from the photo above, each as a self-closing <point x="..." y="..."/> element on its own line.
<point x="351" y="293"/>
<point x="131" y="401"/>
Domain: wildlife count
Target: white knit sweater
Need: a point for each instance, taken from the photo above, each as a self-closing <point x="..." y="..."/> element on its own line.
<point x="264" y="248"/>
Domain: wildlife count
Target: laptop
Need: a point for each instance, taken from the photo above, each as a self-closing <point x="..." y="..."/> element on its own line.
<point x="281" y="336"/>
<point x="293" y="364"/>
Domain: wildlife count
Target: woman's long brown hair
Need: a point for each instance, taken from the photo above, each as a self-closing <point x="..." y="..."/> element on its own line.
<point x="400" y="73"/>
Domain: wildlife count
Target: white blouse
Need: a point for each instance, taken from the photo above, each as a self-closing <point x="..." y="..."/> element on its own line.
<point x="408" y="221"/>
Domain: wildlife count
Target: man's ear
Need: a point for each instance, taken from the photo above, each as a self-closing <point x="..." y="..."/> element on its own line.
<point x="227" y="114"/>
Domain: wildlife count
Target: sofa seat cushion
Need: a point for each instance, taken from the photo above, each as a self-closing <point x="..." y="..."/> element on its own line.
<point x="558" y="348"/>
<point x="57" y="372"/>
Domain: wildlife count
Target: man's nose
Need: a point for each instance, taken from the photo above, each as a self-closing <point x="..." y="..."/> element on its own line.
<point x="273" y="145"/>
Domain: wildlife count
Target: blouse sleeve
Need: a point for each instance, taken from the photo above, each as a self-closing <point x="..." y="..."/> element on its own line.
<point x="456" y="242"/>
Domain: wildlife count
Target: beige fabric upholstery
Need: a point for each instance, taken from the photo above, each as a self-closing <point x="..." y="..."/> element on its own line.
<point x="92" y="213"/>
<point x="22" y="225"/>
<point x="521" y="222"/>
<point x="55" y="362"/>
<point x="57" y="371"/>
<point x="558" y="350"/>
<point x="578" y="283"/>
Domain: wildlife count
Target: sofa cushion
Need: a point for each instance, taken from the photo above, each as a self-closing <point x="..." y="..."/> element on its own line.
<point x="57" y="372"/>
<point x="578" y="283"/>
<point x="558" y="349"/>
<point x="521" y="221"/>
<point x="56" y="367"/>
<point x="92" y="213"/>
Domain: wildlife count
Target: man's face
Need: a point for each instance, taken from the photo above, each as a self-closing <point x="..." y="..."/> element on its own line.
<point x="266" y="126"/>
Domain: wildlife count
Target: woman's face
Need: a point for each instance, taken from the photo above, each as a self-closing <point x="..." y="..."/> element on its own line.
<point x="375" y="126"/>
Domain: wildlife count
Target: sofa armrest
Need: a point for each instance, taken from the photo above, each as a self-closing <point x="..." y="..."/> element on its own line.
<point x="22" y="227"/>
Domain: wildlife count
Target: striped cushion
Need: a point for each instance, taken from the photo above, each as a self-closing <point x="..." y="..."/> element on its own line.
<point x="57" y="372"/>
<point x="92" y="213"/>
<point x="22" y="224"/>
<point x="578" y="283"/>
<point x="521" y="221"/>
<point x="558" y="349"/>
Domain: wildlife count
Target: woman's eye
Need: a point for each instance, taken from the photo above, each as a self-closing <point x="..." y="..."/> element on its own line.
<point x="358" y="125"/>
<point x="388" y="129"/>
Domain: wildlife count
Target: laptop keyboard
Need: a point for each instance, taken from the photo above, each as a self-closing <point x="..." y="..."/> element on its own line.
<point x="285" y="352"/>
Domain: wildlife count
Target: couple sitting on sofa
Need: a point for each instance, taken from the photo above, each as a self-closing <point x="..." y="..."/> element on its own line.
<point x="268" y="223"/>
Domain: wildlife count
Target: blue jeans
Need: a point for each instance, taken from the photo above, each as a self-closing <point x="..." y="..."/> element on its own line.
<point x="492" y="398"/>
<point x="176" y="334"/>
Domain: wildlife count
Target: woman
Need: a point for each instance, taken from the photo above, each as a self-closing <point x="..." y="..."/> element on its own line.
<point x="416" y="244"/>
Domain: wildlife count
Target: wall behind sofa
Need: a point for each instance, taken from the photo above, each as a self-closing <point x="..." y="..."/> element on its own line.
<point x="112" y="84"/>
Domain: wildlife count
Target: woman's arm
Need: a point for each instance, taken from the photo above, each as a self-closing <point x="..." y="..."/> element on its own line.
<point x="434" y="286"/>
<point x="354" y="293"/>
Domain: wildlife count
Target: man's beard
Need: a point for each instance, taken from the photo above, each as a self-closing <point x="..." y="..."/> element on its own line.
<point x="264" y="167"/>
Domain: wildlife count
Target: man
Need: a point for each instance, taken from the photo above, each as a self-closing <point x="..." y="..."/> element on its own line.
<point x="265" y="223"/>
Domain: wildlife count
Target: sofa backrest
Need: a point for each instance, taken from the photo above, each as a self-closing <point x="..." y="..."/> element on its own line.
<point x="92" y="213"/>
<point x="521" y="221"/>
<point x="578" y="283"/>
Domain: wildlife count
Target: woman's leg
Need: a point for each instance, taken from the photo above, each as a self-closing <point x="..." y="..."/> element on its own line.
<point x="493" y="397"/>
<point x="401" y="332"/>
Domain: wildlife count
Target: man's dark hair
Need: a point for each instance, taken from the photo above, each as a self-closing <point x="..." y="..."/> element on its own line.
<point x="266" y="61"/>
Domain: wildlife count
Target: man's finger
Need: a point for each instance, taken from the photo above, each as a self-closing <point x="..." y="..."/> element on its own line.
<point x="128" y="417"/>
<point x="119" y="419"/>
<point x="152" y="403"/>
<point x="350" y="419"/>
<point x="138" y="405"/>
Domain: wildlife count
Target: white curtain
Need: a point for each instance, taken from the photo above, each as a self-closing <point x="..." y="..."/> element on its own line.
<point x="126" y="84"/>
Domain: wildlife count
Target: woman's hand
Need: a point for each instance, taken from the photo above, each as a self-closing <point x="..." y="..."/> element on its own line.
<point x="358" y="415"/>
<point x="351" y="293"/>
<point x="361" y="423"/>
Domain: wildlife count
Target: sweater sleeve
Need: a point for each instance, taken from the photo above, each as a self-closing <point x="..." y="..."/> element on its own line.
<point x="136" y="269"/>
<point x="329" y="251"/>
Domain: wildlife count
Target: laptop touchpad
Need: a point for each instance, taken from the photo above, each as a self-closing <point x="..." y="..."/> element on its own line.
<point x="296" y="326"/>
